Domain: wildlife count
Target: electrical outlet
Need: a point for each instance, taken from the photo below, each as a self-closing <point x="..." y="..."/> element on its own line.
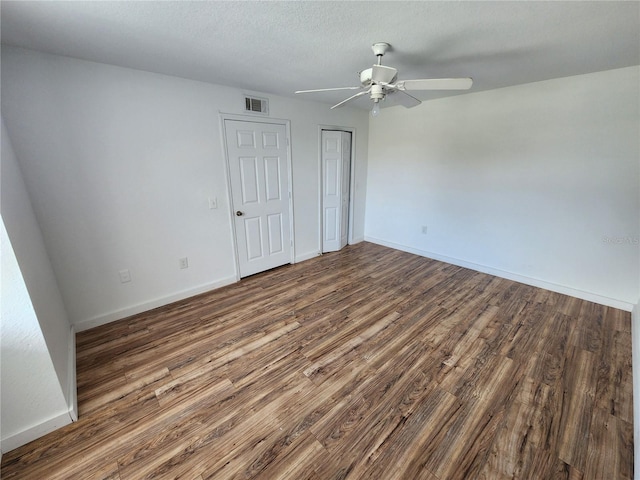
<point x="184" y="262"/>
<point x="424" y="229"/>
<point x="125" y="276"/>
<point x="213" y="203"/>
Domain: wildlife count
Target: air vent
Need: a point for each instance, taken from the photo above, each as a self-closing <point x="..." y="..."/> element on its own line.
<point x="256" y="105"/>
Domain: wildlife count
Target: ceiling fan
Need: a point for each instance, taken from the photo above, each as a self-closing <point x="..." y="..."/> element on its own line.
<point x="381" y="81"/>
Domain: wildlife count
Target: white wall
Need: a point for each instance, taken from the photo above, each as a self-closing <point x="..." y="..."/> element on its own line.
<point x="38" y="370"/>
<point x="32" y="401"/>
<point x="120" y="163"/>
<point x="537" y="182"/>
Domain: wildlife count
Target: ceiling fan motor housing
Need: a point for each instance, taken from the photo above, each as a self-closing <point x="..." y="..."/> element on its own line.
<point x="366" y="76"/>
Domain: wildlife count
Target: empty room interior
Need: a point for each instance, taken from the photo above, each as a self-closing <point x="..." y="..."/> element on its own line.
<point x="320" y="240"/>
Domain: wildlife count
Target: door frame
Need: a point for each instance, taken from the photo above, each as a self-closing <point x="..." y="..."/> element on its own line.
<point x="352" y="183"/>
<point x="225" y="161"/>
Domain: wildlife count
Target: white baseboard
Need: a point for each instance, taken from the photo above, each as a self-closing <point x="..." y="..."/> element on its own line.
<point x="317" y="253"/>
<point x="534" y="282"/>
<point x="32" y="433"/>
<point x="307" y="256"/>
<point x="72" y="390"/>
<point x="151" y="304"/>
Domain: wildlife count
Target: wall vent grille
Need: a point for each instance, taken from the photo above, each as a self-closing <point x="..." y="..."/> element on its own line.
<point x="256" y="105"/>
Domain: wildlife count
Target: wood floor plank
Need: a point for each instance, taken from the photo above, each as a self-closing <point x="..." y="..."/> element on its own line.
<point x="90" y="403"/>
<point x="615" y="319"/>
<point x="352" y="343"/>
<point x="576" y="404"/>
<point x="614" y="387"/>
<point x="211" y="362"/>
<point x="611" y="462"/>
<point x="485" y="398"/>
<point x="404" y="450"/>
<point x="212" y="452"/>
<point x="299" y="460"/>
<point x="368" y="363"/>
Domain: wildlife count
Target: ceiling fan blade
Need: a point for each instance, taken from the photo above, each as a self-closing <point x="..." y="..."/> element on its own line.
<point x="436" y="84"/>
<point x="328" y="89"/>
<point x="382" y="74"/>
<point x="403" y="98"/>
<point x="359" y="94"/>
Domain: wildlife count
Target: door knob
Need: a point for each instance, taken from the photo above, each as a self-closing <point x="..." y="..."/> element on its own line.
<point x="239" y="213"/>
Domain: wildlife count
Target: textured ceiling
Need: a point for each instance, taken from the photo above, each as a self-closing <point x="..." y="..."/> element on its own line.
<point x="280" y="47"/>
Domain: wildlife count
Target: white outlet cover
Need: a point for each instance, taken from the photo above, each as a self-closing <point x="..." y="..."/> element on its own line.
<point x="125" y="276"/>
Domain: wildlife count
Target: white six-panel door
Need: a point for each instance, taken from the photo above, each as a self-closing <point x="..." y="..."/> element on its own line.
<point x="336" y="163"/>
<point x="259" y="177"/>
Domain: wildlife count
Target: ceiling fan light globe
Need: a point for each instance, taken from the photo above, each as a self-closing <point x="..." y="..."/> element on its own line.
<point x="375" y="111"/>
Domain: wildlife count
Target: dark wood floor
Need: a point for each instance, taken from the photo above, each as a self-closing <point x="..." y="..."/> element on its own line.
<point x="368" y="363"/>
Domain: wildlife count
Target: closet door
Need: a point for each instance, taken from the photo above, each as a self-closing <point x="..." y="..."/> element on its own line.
<point x="336" y="165"/>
